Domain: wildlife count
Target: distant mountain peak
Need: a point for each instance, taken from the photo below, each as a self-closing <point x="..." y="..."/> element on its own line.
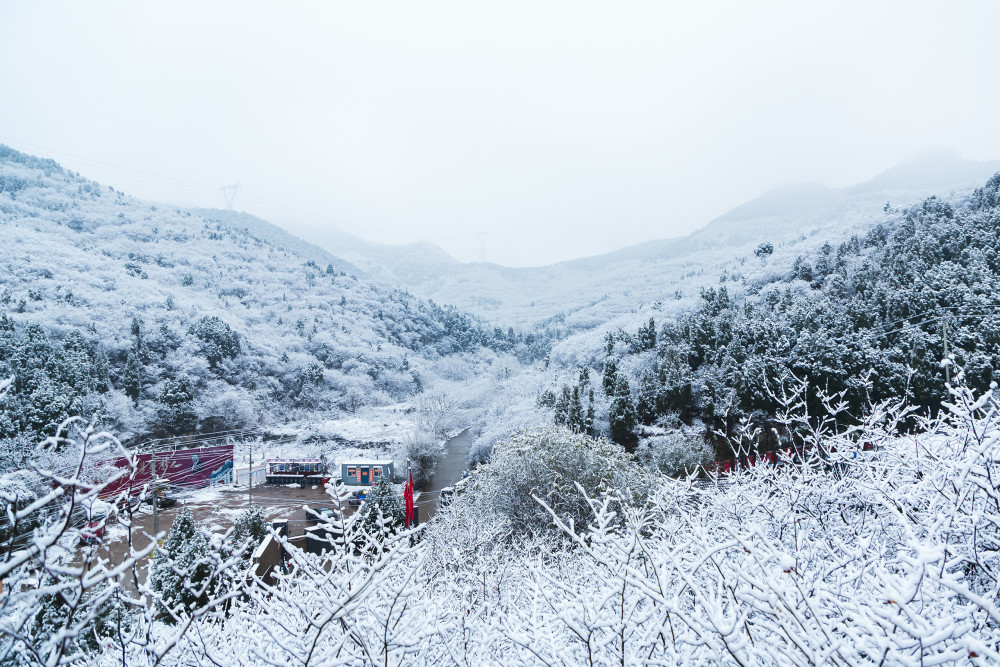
<point x="939" y="170"/>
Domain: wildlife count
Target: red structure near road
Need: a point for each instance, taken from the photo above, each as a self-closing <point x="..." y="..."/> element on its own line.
<point x="180" y="468"/>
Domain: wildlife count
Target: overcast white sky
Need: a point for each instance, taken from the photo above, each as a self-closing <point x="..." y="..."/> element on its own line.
<point x="561" y="129"/>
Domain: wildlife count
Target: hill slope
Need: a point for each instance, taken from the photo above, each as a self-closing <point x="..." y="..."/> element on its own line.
<point x="163" y="321"/>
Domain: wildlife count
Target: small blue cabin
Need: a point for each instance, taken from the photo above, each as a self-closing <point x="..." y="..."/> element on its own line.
<point x="365" y="472"/>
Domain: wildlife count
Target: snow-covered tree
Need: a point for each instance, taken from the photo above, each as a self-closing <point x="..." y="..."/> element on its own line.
<point x="550" y="463"/>
<point x="249" y="530"/>
<point x="621" y="414"/>
<point x="382" y="513"/>
<point x="184" y="571"/>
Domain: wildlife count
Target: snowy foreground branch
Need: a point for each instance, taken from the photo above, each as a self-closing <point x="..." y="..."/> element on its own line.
<point x="868" y="548"/>
<point x="65" y="600"/>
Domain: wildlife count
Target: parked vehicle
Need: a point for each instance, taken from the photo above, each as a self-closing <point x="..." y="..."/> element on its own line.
<point x="93" y="532"/>
<point x="162" y="494"/>
<point x="96" y="518"/>
<point x="317" y="515"/>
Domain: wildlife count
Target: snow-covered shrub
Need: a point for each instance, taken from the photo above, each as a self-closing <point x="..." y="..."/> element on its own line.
<point x="423" y="451"/>
<point x="249" y="530"/>
<point x="219" y="341"/>
<point x="225" y="407"/>
<point x="674" y="452"/>
<point x="554" y="464"/>
<point x="112" y="617"/>
<point x="19" y="490"/>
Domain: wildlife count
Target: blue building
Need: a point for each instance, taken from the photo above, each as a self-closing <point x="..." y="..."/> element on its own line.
<point x="365" y="472"/>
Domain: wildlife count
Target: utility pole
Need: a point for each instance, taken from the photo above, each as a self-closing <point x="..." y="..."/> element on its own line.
<point x="156" y="518"/>
<point x="250" y="478"/>
<point x="947" y="361"/>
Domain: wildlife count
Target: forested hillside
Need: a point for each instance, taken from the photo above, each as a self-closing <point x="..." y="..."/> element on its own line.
<point x="868" y="319"/>
<point x="160" y="321"/>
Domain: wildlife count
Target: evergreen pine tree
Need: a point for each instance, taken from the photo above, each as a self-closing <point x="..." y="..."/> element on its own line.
<point x="183" y="569"/>
<point x="648" y="389"/>
<point x="54" y="614"/>
<point x="575" y="420"/>
<point x="588" y="423"/>
<point x="137" y="329"/>
<point x="610" y="372"/>
<point x="561" y="416"/>
<point x="138" y="343"/>
<point x="382" y="513"/>
<point x="132" y="378"/>
<point x="621" y="413"/>
<point x="249" y="530"/>
<point x="101" y="370"/>
<point x="647" y="336"/>
<point x="177" y="413"/>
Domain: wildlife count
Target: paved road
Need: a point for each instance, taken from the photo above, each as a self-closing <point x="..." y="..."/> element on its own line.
<point x="449" y="470"/>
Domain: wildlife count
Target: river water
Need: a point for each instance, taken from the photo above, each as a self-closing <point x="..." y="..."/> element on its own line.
<point x="449" y="470"/>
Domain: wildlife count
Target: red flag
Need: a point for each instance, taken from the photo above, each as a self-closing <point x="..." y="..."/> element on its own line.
<point x="408" y="497"/>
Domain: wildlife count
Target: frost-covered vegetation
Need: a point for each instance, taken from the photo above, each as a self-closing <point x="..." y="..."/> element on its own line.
<point x="868" y="548"/>
<point x="161" y="322"/>
<point x="868" y="317"/>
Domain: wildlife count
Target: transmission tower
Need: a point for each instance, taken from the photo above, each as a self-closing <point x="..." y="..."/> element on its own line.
<point x="229" y="193"/>
<point x="482" y="236"/>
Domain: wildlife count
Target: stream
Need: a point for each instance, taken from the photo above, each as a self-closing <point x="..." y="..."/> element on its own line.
<point x="449" y="470"/>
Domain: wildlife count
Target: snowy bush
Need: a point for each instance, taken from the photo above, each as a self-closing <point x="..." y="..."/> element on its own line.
<point x="553" y="464"/>
<point x="674" y="453"/>
<point x="422" y="451"/>
<point x="249" y="530"/>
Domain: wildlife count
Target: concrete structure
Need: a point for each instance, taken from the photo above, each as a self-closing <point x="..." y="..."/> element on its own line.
<point x="268" y="556"/>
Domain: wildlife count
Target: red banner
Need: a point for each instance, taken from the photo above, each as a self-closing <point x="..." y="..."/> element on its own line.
<point x="179" y="469"/>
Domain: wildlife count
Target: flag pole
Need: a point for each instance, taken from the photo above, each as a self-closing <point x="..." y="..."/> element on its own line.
<point x="408" y="495"/>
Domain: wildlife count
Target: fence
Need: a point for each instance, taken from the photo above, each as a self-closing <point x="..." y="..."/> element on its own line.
<point x="245" y="475"/>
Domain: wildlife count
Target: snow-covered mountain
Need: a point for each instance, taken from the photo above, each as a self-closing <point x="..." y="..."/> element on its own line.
<point x="165" y="320"/>
<point x="586" y="292"/>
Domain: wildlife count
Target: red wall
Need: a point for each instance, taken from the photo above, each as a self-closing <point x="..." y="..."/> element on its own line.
<point x="181" y="468"/>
